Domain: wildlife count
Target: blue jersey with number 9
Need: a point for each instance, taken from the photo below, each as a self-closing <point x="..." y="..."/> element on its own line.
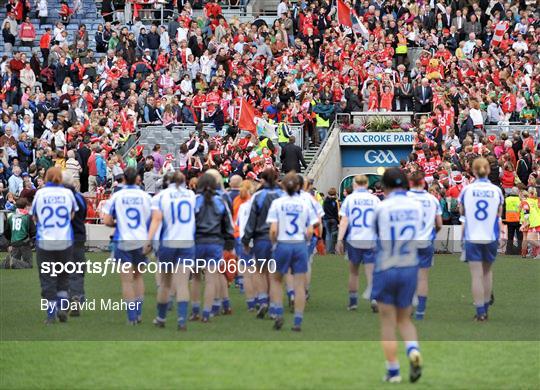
<point x="481" y="201"/>
<point x="52" y="206"/>
<point x="293" y="215"/>
<point x="130" y="207"/>
<point x="398" y="222"/>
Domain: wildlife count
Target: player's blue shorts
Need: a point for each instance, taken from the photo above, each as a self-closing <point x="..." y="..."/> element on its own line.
<point x="481" y="252"/>
<point x="173" y="256"/>
<point x="293" y="256"/>
<point x="425" y="256"/>
<point x="134" y="256"/>
<point x="395" y="286"/>
<point x="262" y="249"/>
<point x="360" y="255"/>
<point x="246" y="257"/>
<point x="208" y="253"/>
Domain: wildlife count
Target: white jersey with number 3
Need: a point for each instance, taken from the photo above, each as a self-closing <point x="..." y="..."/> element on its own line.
<point x="481" y="200"/>
<point x="359" y="208"/>
<point x="130" y="207"/>
<point x="177" y="205"/>
<point x="293" y="216"/>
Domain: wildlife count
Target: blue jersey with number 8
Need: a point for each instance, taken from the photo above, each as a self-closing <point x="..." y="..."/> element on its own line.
<point x="398" y="222"/>
<point x="481" y="201"/>
<point x="130" y="207"/>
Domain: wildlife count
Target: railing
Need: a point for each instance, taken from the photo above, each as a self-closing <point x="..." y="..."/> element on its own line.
<point x="511" y="128"/>
<point x="321" y="147"/>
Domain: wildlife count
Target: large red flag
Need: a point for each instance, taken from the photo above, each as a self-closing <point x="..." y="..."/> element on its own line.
<point x="246" y="118"/>
<point x="344" y="13"/>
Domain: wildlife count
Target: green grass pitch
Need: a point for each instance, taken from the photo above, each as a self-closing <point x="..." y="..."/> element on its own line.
<point x="337" y="348"/>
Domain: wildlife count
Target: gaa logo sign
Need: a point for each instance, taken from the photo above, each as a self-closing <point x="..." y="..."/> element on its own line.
<point x="380" y="157"/>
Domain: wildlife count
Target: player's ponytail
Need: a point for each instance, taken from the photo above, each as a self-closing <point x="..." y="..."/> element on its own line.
<point x="207" y="187"/>
<point x="481" y="167"/>
<point x="290" y="183"/>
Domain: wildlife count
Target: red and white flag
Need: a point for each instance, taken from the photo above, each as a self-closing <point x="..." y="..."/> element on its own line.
<point x="344" y="13"/>
<point x="498" y="33"/>
<point x="247" y="118"/>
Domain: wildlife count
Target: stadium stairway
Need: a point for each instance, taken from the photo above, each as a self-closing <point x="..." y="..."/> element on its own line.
<point x="87" y="15"/>
<point x="170" y="141"/>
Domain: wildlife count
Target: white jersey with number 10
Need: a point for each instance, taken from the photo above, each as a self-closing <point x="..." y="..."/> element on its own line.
<point x="178" y="224"/>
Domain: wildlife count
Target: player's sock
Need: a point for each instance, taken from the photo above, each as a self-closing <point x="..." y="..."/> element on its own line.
<point x="290" y="293"/>
<point x="421" y="308"/>
<point x="272" y="310"/>
<point x="353" y="298"/>
<point x="195" y="308"/>
<point x="226" y="304"/>
<point x="139" y="308"/>
<point x="51" y="308"/>
<point x="206" y="314"/>
<point x="486" y="307"/>
<point x="392" y="369"/>
<point x="162" y="310"/>
<point x="279" y="311"/>
<point x="181" y="311"/>
<point x="250" y="303"/>
<point x="480" y="310"/>
<point x="62" y="301"/>
<point x="263" y="299"/>
<point x="411" y="346"/>
<point x="132" y="311"/>
<point x="216" y="306"/>
<point x="241" y="284"/>
<point x="298" y="317"/>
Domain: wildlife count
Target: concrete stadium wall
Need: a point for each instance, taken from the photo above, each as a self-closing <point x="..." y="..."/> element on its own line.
<point x="327" y="170"/>
<point x="448" y="239"/>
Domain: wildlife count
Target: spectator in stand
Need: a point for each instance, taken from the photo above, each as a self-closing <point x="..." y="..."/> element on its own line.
<point x="424" y="97"/>
<point x="8" y="36"/>
<point x="331" y="220"/>
<point x="27" y="32"/>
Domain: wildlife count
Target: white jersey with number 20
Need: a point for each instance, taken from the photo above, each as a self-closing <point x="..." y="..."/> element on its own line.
<point x="359" y="208"/>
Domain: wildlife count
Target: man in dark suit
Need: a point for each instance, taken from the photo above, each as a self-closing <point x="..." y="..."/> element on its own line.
<point x="291" y="157"/>
<point x="447" y="18"/>
<point x="427" y="18"/>
<point x="424" y="96"/>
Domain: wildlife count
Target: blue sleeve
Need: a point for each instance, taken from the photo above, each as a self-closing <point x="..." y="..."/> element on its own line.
<point x="24" y="149"/>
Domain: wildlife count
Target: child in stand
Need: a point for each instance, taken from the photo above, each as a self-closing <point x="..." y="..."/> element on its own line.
<point x="20" y="231"/>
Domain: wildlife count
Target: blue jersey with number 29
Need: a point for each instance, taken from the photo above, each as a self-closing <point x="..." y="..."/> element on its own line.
<point x="130" y="207"/>
<point x="481" y="201"/>
<point x="398" y="222"/>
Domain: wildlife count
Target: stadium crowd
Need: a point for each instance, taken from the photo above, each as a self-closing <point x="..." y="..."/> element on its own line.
<point x="67" y="106"/>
